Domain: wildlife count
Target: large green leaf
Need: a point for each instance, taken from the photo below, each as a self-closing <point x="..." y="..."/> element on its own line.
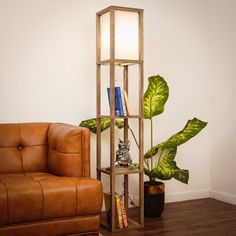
<point x="192" y="128"/>
<point x="168" y="169"/>
<point x="181" y="175"/>
<point x="91" y="124"/>
<point x="155" y="96"/>
<point x="151" y="152"/>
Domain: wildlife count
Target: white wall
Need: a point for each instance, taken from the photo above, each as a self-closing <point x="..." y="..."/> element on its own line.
<point x="47" y="72"/>
<point x="223" y="109"/>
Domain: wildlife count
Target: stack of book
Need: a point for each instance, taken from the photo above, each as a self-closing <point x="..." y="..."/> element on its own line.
<point x="122" y="106"/>
<point x="121" y="216"/>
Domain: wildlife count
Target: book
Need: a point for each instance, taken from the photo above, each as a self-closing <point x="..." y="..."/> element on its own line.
<point x="120" y="109"/>
<point x="123" y="213"/>
<point x="117" y="111"/>
<point x="127" y="104"/>
<point x="119" y="221"/>
<point x="107" y="206"/>
<point x="119" y="100"/>
<point x="107" y="201"/>
<point x="123" y="103"/>
<point x="118" y="211"/>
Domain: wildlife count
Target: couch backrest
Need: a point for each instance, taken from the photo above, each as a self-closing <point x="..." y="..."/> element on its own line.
<point x="69" y="150"/>
<point x="23" y="147"/>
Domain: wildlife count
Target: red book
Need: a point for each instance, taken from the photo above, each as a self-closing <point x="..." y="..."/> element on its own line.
<point x="128" y="109"/>
<point x="123" y="213"/>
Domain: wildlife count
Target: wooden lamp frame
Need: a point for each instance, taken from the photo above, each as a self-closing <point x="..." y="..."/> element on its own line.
<point x="112" y="62"/>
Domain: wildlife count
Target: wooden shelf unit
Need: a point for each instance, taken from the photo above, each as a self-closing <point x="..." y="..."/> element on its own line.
<point x="119" y="171"/>
<point x="112" y="171"/>
<point x="132" y="221"/>
<point x="120" y="117"/>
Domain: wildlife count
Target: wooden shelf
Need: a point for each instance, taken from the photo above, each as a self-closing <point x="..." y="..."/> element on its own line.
<point x="120" y="62"/>
<point x="120" y="117"/>
<point x="133" y="221"/>
<point x="119" y="9"/>
<point x="120" y="171"/>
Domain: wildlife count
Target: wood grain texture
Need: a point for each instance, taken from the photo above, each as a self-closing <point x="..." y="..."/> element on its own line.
<point x="98" y="89"/>
<point x="141" y="137"/>
<point x="126" y="136"/>
<point x="118" y="8"/>
<point x="112" y="113"/>
<point x="112" y="62"/>
<point x="203" y="217"/>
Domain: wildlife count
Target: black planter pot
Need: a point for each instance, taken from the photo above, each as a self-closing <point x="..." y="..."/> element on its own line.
<point x="154" y="199"/>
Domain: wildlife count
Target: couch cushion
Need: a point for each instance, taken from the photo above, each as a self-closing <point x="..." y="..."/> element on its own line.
<point x="23" y="147"/>
<point x="35" y="196"/>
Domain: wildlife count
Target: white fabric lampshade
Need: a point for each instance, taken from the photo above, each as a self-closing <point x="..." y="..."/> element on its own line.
<point x="126" y="35"/>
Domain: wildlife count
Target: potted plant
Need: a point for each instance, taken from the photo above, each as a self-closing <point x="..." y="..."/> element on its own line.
<point x="159" y="160"/>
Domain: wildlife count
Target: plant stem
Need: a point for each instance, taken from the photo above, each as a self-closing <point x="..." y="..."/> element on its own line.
<point x="134" y="137"/>
<point x="151" y="142"/>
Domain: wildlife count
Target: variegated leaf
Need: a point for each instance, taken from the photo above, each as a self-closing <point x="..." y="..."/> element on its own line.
<point x="192" y="128"/>
<point x="168" y="169"/>
<point x="155" y="96"/>
<point x="91" y="124"/>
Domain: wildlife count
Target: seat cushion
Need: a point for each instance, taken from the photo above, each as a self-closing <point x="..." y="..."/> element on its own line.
<point x="36" y="196"/>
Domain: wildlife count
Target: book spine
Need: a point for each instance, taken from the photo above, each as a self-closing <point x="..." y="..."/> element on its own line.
<point x="107" y="201"/>
<point x="119" y="101"/>
<point x="107" y="207"/>
<point x="129" y="113"/>
<point x="124" y="215"/>
<point x="119" y="214"/>
<point x="108" y="95"/>
<point x="123" y="104"/>
<point x="117" y="112"/>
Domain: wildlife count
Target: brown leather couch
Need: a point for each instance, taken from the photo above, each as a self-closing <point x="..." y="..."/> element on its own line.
<point x="45" y="184"/>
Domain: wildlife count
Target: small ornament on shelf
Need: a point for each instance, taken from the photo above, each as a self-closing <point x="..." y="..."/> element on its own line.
<point x="131" y="199"/>
<point x="123" y="158"/>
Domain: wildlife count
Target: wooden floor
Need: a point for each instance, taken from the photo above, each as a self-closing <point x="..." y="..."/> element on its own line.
<point x="203" y="217"/>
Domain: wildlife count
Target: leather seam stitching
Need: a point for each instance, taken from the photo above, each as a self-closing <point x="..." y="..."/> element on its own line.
<point x="45" y="221"/>
<point x="83" y="154"/>
<point x="41" y="186"/>
<point x="22" y="164"/>
<point x="35" y="145"/>
<point x="76" y="195"/>
<point x="8" y="214"/>
<point x="70" y="153"/>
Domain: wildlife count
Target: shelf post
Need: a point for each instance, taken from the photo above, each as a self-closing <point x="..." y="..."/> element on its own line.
<point x="112" y="114"/>
<point x="98" y="84"/>
<point x="126" y="130"/>
<point x="141" y="139"/>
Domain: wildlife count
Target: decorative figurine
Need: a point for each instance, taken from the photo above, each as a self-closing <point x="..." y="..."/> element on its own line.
<point x="123" y="158"/>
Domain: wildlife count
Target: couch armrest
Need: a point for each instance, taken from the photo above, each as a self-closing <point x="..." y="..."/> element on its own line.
<point x="69" y="150"/>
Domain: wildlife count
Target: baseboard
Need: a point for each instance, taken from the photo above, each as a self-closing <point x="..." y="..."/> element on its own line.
<point x="187" y="195"/>
<point x="224" y="197"/>
<point x="198" y="194"/>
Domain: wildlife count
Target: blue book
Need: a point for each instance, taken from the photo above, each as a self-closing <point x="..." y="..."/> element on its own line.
<point x="119" y="100"/>
<point x="117" y="111"/>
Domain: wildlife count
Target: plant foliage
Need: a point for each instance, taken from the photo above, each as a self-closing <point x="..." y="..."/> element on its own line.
<point x="163" y="154"/>
<point x="155" y="96"/>
<point x="91" y="124"/>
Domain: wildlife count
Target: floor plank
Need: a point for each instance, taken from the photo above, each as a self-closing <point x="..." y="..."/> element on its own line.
<point x="203" y="217"/>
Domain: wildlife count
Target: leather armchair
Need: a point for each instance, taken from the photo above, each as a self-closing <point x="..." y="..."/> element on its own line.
<point x="45" y="184"/>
